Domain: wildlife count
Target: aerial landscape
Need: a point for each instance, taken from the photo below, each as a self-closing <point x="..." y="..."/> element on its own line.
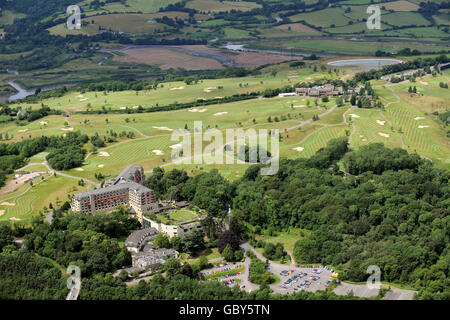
<point x="224" y="150"/>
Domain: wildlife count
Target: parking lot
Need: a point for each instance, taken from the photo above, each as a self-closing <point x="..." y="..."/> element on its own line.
<point x="230" y="278"/>
<point x="299" y="278"/>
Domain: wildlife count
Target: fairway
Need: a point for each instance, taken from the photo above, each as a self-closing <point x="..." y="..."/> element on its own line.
<point x="55" y="190"/>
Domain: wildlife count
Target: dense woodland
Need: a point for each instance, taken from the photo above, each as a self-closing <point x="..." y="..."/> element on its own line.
<point x="390" y="209"/>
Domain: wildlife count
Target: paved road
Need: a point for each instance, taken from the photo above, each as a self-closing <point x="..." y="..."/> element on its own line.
<point x="73" y="294"/>
<point x="360" y="290"/>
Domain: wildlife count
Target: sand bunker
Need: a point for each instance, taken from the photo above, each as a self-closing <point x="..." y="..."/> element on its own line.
<point x="103" y="154"/>
<point x="79" y="169"/>
<point x="424" y="83"/>
<point x="15" y="219"/>
<point x="43" y="123"/>
<point x="364" y="139"/>
<point x="2" y="212"/>
<point x="419" y="118"/>
<point x="220" y="113"/>
<point x="218" y="97"/>
<point x="135" y="107"/>
<point x="420" y="127"/>
<point x="23" y="130"/>
<point x="354" y="115"/>
<point x="361" y="136"/>
<point x="80" y="96"/>
<point x="101" y="165"/>
<point x="197" y="110"/>
<point x="177" y="88"/>
<point x="308" y="78"/>
<point x="84" y="99"/>
<point x="381" y="122"/>
<point x="67" y="129"/>
<point x="123" y="108"/>
<point x="163" y="128"/>
<point x="384" y="134"/>
<point x="298" y="149"/>
<point x="300" y="106"/>
<point x="209" y="89"/>
<point x="10" y="204"/>
<point x="175" y="146"/>
<point x="158" y="152"/>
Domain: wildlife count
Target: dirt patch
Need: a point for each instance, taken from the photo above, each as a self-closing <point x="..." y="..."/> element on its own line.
<point x="163" y="128"/>
<point x="167" y="58"/>
<point x="220" y="113"/>
<point x="197" y="110"/>
<point x="209" y="89"/>
<point x="297" y="27"/>
<point x="175" y="146"/>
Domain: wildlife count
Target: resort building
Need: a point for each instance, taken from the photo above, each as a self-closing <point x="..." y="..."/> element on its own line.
<point x="138" y="239"/>
<point x="318" y="91"/>
<point x="179" y="228"/>
<point x="126" y="189"/>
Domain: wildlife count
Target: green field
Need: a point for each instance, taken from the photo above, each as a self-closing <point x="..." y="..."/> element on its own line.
<point x="54" y="190"/>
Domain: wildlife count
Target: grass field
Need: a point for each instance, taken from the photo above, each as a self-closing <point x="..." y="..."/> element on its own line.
<point x="130" y="23"/>
<point x="54" y="190"/>
<point x="218" y="6"/>
<point x="152" y="142"/>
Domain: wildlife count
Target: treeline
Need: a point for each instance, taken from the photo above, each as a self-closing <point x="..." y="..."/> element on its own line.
<point x="64" y="152"/>
<point x="414" y="64"/>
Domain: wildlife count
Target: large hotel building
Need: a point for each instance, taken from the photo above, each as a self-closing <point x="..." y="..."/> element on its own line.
<point x="126" y="189"/>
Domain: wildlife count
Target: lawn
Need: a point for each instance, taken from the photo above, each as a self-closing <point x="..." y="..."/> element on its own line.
<point x="182" y="215"/>
<point x="287" y="238"/>
<point x="54" y="190"/>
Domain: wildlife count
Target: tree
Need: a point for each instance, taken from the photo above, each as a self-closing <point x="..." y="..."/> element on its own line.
<point x="227" y="253"/>
<point x="238" y="255"/>
<point x="228" y="237"/>
<point x="172" y="267"/>
<point x="162" y="240"/>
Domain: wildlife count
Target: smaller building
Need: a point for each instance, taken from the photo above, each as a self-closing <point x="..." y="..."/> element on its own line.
<point x="153" y="258"/>
<point x="139" y="238"/>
